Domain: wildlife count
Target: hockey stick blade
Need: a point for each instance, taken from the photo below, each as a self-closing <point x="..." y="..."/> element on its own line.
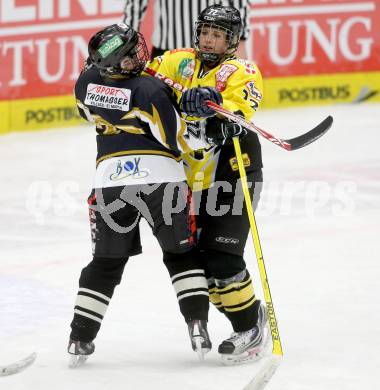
<point x="287" y="144"/>
<point x="19" y="366"/>
<point x="262" y="378"/>
<point x="312" y="135"/>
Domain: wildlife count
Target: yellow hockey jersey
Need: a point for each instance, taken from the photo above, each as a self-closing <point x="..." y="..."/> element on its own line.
<point x="240" y="83"/>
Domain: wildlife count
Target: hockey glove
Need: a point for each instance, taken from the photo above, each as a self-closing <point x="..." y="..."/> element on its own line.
<point x="218" y="131"/>
<point x="193" y="101"/>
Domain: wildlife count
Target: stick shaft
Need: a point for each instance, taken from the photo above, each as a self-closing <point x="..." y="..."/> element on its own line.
<point x="277" y="348"/>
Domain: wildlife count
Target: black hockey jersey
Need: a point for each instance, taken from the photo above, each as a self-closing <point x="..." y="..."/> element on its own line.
<point x="140" y="133"/>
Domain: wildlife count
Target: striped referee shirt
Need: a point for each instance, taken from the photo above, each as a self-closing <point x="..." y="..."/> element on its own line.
<point x="174" y="20"/>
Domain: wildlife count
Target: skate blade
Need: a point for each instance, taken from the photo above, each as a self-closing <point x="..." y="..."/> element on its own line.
<point x="252" y="355"/>
<point x="77" y="360"/>
<point x="201" y="352"/>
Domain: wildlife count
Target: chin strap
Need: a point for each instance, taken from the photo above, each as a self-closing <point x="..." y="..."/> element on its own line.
<point x="211" y="60"/>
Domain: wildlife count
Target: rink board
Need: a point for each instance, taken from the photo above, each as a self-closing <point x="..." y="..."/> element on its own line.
<point x="60" y="111"/>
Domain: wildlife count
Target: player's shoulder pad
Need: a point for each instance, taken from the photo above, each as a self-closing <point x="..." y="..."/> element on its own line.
<point x="86" y="76"/>
<point x="175" y="55"/>
<point x="152" y="87"/>
<point x="243" y="66"/>
<point x="178" y="55"/>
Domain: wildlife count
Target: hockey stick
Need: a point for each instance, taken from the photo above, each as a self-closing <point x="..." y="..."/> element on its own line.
<point x="19" y="366"/>
<point x="287" y="144"/>
<point x="261" y="379"/>
<point x="263" y="376"/>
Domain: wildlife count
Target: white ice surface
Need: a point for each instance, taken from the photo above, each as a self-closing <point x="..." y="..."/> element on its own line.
<point x="319" y="222"/>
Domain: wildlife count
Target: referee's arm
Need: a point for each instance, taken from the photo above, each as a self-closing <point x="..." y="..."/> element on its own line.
<point x="134" y="11"/>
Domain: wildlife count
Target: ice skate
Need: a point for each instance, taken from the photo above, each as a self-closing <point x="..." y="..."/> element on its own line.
<point x="200" y="340"/>
<point x="79" y="352"/>
<point x="246" y="346"/>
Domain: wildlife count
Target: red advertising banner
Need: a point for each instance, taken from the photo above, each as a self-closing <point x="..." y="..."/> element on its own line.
<point x="328" y="50"/>
<point x="300" y="37"/>
<point x="43" y="43"/>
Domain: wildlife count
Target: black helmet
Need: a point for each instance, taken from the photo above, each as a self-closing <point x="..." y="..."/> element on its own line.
<point x="108" y="47"/>
<point x="224" y="18"/>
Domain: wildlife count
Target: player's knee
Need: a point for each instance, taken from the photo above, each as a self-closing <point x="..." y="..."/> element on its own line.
<point x="236" y="280"/>
<point x="102" y="271"/>
<point x="182" y="262"/>
<point x="223" y="265"/>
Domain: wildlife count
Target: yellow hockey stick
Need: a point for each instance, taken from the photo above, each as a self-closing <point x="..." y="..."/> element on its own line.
<point x="277" y="348"/>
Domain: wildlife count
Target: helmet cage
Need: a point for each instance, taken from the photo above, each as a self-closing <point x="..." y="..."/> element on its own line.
<point x="139" y="56"/>
<point x="232" y="41"/>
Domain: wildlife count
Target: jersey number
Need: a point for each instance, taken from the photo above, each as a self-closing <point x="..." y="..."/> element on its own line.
<point x="254" y="103"/>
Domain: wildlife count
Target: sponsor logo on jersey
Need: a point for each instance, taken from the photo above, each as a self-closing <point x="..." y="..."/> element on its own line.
<point x="249" y="68"/>
<point x="234" y="163"/>
<point x="186" y="68"/>
<point x="129" y="168"/>
<point x="227" y="240"/>
<point x="169" y="81"/>
<point x="108" y="97"/>
<point x="222" y="75"/>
